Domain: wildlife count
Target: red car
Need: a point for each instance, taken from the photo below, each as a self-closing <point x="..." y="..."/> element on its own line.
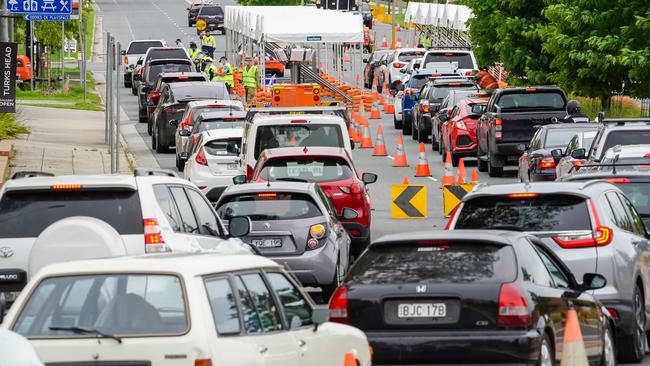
<point x="459" y="130"/>
<point x="334" y="172"/>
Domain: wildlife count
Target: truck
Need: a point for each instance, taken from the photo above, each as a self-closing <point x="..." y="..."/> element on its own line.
<point x="510" y="120"/>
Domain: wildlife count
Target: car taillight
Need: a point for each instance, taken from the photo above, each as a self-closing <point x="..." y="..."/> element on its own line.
<point x="338" y="305"/>
<point x="425" y="107"/>
<point x="398" y="65"/>
<point x="618" y="180"/>
<point x="468" y="73"/>
<point x="155" y="96"/>
<point x="200" y="157"/>
<point x="317" y="231"/>
<point x="186" y="122"/>
<point x="601" y="235"/>
<point x="351" y="189"/>
<point x="203" y="362"/>
<point x="513" y="309"/>
<point x="498" y="129"/>
<point x="153" y="240"/>
<point x="547" y="162"/>
<point x="453" y="216"/>
<point x="614" y="313"/>
<point x="126" y="60"/>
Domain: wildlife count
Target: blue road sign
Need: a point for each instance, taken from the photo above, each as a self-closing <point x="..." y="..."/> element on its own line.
<point x="51" y="17"/>
<point x="40" y="7"/>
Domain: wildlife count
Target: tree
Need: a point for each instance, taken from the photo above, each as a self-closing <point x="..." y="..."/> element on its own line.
<point x="635" y="53"/>
<point x="269" y="2"/>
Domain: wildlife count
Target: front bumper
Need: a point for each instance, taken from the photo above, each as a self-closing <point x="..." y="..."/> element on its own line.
<point x="625" y="321"/>
<point x="463" y="144"/>
<point x="456" y="347"/>
<point x="12" y="279"/>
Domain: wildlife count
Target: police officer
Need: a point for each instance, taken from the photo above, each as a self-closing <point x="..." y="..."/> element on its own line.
<point x="573" y="113"/>
<point x="208" y="43"/>
<point x="227" y="73"/>
<point x="250" y="78"/>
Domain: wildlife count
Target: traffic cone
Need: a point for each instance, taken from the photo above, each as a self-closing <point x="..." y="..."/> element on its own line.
<point x="380" y="146"/>
<point x="346" y="56"/>
<point x="398" y="28"/>
<point x="461" y="172"/>
<point x="374" y="113"/>
<point x="384" y="42"/>
<point x="474" y="176"/>
<point x="573" y="348"/>
<point x="422" y="169"/>
<point x="351" y="131"/>
<point x="390" y="106"/>
<point x="366" y="139"/>
<point x="375" y="94"/>
<point x="406" y="180"/>
<point x="399" y="160"/>
<point x="357" y="134"/>
<point x="448" y="178"/>
<point x="399" y="43"/>
<point x="349" y="360"/>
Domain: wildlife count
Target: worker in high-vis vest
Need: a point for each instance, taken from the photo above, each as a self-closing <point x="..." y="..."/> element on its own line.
<point x="211" y="70"/>
<point x="194" y="51"/>
<point x="425" y="41"/>
<point x="250" y="78"/>
<point x="208" y="43"/>
<point x="227" y="73"/>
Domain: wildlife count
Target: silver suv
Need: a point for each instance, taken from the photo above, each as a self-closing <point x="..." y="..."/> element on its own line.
<point x="615" y="131"/>
<point x="592" y="226"/>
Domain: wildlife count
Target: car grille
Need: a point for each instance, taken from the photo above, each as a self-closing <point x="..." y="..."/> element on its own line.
<point x="463" y="141"/>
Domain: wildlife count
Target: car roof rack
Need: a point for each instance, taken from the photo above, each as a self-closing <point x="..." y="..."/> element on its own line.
<point x="150" y="172"/>
<point x="30" y="174"/>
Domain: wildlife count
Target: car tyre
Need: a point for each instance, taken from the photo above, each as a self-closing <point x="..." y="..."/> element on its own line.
<point x="441" y="150"/>
<point x="633" y="347"/>
<point x="397" y="124"/>
<point x="134" y="91"/>
<point x="189" y="23"/>
<point x="608" y="357"/>
<point x="161" y="148"/>
<point x="455" y="159"/>
<point x="480" y="163"/>
<point x="153" y="139"/>
<point x="127" y="84"/>
<point x="422" y="135"/>
<point x="406" y="127"/>
<point x="434" y="142"/>
<point x="414" y="129"/>
<point x="179" y="165"/>
<point x="546" y="354"/>
<point x="493" y="171"/>
<point x="143" y="117"/>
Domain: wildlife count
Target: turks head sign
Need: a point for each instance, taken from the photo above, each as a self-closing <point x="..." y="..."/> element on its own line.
<point x="8" y="75"/>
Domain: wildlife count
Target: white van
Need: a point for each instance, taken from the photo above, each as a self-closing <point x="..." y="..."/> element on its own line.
<point x="263" y="132"/>
<point x="463" y="60"/>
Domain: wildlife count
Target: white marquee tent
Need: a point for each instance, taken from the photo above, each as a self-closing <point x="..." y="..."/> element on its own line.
<point x="449" y="16"/>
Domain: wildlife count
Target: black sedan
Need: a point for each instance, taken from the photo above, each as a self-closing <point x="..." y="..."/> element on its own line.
<point x="537" y="163"/>
<point x="470" y="296"/>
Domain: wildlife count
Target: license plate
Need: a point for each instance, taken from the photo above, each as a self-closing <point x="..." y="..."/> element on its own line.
<point x="422" y="310"/>
<point x="233" y="166"/>
<point x="267" y="243"/>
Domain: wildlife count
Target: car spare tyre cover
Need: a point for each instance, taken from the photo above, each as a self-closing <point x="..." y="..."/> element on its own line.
<point x="75" y="238"/>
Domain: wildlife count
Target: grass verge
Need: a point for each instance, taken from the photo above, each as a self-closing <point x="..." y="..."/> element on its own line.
<point x="75" y="94"/>
<point x="621" y="107"/>
<point x="9" y="128"/>
<point x="82" y="106"/>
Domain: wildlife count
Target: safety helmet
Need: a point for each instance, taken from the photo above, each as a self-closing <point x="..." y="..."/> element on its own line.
<point x="573" y="107"/>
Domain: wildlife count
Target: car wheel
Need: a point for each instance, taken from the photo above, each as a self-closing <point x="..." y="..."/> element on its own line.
<point x="150" y="128"/>
<point x="406" y="126"/>
<point x="455" y="159"/>
<point x="161" y="148"/>
<point x="357" y="248"/>
<point x="223" y="31"/>
<point x="134" y="91"/>
<point x="546" y="354"/>
<point x="608" y="357"/>
<point x="633" y="347"/>
<point x="441" y="150"/>
<point x="422" y="135"/>
<point x="142" y="116"/>
<point x="153" y="139"/>
<point x="397" y="124"/>
<point x="179" y="164"/>
<point x="434" y="142"/>
<point x="480" y="163"/>
<point x="414" y="129"/>
<point x="493" y="171"/>
<point x="127" y="84"/>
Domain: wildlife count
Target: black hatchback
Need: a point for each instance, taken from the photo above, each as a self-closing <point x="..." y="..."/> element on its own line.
<point x="471" y="296"/>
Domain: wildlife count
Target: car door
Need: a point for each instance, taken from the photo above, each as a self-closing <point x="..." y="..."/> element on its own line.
<point x="525" y="159"/>
<point x="188" y="226"/>
<point x="446" y="128"/>
<point x="173" y="232"/>
<point x="262" y="322"/>
<point x="210" y="231"/>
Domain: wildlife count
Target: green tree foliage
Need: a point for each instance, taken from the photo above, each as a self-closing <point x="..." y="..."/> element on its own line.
<point x="269" y="2"/>
<point x="635" y="53"/>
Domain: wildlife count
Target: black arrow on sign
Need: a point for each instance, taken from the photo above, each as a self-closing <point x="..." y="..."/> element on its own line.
<point x="403" y="201"/>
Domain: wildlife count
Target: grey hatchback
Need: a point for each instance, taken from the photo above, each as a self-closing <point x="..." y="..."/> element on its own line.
<point x="296" y="225"/>
<point x="592" y="226"/>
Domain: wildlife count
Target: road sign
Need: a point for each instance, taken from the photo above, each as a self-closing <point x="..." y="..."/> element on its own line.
<point x="452" y="194"/>
<point x="408" y="201"/>
<point x="48" y="17"/>
<point x="201" y="24"/>
<point x="40" y="7"/>
<point x="8" y="75"/>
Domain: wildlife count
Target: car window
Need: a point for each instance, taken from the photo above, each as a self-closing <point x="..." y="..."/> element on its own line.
<point x="188" y="221"/>
<point x="464" y="60"/>
<point x="207" y="218"/>
<point x="140" y="48"/>
<point x="295" y="307"/>
<point x="535" y="142"/>
<point x="155" y="70"/>
<point x="223" y="147"/>
<point x="533" y="100"/>
<point x="262" y="301"/>
<point x="269" y="206"/>
<point x="223" y="305"/>
<point x="625" y="137"/>
<point x="558" y="138"/>
<point x="168" y="206"/>
<point x="124" y="304"/>
<point x="620" y="216"/>
<point x="572" y="145"/>
<point x="559" y="278"/>
<point x="297" y="134"/>
<point x="639" y="194"/>
<point x="316" y="169"/>
<point x="638" y="227"/>
<point x="531" y="265"/>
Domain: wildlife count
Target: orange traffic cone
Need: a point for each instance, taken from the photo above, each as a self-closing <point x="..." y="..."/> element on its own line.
<point x="448" y="178"/>
<point x="399" y="159"/>
<point x="366" y="139"/>
<point x="349" y="360"/>
<point x="351" y="131"/>
<point x="384" y="42"/>
<point x="357" y="134"/>
<point x="374" y="113"/>
<point x="422" y="169"/>
<point x="399" y="42"/>
<point x="474" y="176"/>
<point x="461" y="172"/>
<point x="573" y="348"/>
<point x="375" y="93"/>
<point x="390" y="106"/>
<point x="398" y="28"/>
<point x="406" y="180"/>
<point x="380" y="147"/>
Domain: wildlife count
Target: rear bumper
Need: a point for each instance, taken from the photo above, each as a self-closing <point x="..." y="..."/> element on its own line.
<point x="12" y="279"/>
<point x="454" y="347"/>
<point x="313" y="267"/>
<point x="545" y="175"/>
<point x="509" y="149"/>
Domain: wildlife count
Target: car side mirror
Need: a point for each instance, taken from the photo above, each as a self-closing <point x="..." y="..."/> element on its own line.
<point x="557" y="154"/>
<point x="402" y="70"/>
<point x="368" y="178"/>
<point x="349" y="214"/>
<point x="239" y="179"/>
<point x="123" y="53"/>
<point x="579" y="153"/>
<point x="365" y="60"/>
<point x="352" y="144"/>
<point x="442" y="115"/>
<point x="184" y="133"/>
<point x="320" y="314"/>
<point x="239" y="226"/>
<point x="173" y="123"/>
<point x="592" y="281"/>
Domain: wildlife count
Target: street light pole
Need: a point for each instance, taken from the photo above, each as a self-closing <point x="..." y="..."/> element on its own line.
<point x="391" y="5"/>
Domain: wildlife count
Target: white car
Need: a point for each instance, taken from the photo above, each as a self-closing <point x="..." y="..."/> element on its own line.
<point x="462" y="60"/>
<point x="48" y="219"/>
<point x="215" y="161"/>
<point x="132" y="54"/>
<point x="406" y="71"/>
<point x="399" y="59"/>
<point x="170" y="310"/>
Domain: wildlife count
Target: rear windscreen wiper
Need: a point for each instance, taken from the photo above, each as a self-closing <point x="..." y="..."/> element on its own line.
<point x="80" y="330"/>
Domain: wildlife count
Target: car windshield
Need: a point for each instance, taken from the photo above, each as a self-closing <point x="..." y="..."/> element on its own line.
<point x="441" y="91"/>
<point x="206" y="90"/>
<point x="558" y="138"/>
<point x="140" y="48"/>
<point x="409" y="55"/>
<point x="464" y="60"/>
<point x="526" y="212"/>
<point x="116" y="304"/>
<point x="317" y="169"/>
<point x="546" y="100"/>
<point x="154" y="70"/>
<point x="166" y="53"/>
<point x="269" y="206"/>
<point x="211" y="10"/>
<point x="216" y="124"/>
<point x="377" y="55"/>
<point x="223" y="147"/>
<point x="418" y="81"/>
<point x="639" y="194"/>
<point x="626" y="137"/>
<point x="434" y="261"/>
<point x="269" y="137"/>
<point x="25" y="214"/>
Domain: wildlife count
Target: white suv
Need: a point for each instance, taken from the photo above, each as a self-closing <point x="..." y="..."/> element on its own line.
<point x="47" y="219"/>
<point x="132" y="54"/>
<point x="188" y="310"/>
